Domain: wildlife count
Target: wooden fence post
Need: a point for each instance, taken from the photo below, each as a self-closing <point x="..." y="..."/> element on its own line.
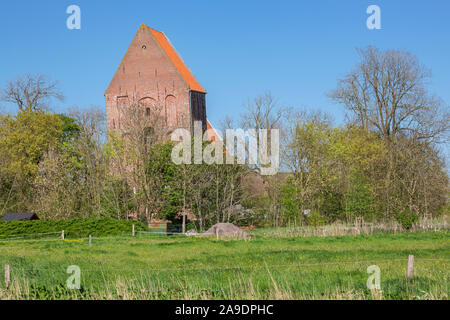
<point x="90" y="240"/>
<point x="132" y="231"/>
<point x="410" y="266"/>
<point x="62" y="235"/>
<point x="7" y="275"/>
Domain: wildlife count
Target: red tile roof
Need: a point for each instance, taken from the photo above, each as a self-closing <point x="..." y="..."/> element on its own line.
<point x="211" y="135"/>
<point x="176" y="60"/>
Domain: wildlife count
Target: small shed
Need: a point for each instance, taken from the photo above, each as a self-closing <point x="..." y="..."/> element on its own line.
<point x="159" y="226"/>
<point x="13" y="216"/>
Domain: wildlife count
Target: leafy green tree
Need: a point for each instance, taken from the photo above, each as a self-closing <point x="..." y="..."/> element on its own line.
<point x="26" y="140"/>
<point x="26" y="137"/>
<point x="291" y="200"/>
<point x="358" y="199"/>
<point x="164" y="182"/>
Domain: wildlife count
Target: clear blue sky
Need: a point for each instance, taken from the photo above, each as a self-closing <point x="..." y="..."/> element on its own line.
<point x="236" y="49"/>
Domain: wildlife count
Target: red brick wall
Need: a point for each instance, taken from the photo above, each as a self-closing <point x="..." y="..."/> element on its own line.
<point x="146" y="73"/>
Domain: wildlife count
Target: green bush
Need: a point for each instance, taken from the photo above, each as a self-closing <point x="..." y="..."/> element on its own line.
<point x="75" y="228"/>
<point x="407" y="218"/>
<point x="315" y="219"/>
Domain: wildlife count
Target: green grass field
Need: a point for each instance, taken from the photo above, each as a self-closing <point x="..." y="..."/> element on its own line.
<point x="175" y="267"/>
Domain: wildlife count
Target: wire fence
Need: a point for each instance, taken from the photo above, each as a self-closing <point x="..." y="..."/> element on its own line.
<point x="58" y="235"/>
<point x="11" y="237"/>
<point x="96" y="271"/>
<point x="292" y="230"/>
<point x="42" y="272"/>
<point x="129" y="236"/>
<point x="161" y="233"/>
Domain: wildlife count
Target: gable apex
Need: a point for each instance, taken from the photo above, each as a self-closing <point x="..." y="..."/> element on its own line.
<point x="169" y="51"/>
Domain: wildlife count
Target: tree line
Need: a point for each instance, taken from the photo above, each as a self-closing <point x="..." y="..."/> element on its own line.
<point x="383" y="163"/>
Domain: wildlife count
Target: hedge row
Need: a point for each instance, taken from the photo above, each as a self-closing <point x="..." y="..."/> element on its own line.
<point x="75" y="228"/>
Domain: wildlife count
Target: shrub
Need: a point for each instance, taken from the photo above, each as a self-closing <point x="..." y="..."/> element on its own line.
<point x="75" y="228"/>
<point x="407" y="218"/>
<point x="315" y="219"/>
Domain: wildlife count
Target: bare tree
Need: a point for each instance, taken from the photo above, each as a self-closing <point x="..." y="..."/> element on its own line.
<point x="263" y="113"/>
<point x="143" y="124"/>
<point x="290" y="157"/>
<point x="89" y="145"/>
<point x="422" y="181"/>
<point x="31" y="92"/>
<point x="306" y="155"/>
<point x="387" y="92"/>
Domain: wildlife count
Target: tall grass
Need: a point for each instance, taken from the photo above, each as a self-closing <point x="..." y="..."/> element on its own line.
<point x="336" y="282"/>
<point x="358" y="227"/>
<point x="205" y="268"/>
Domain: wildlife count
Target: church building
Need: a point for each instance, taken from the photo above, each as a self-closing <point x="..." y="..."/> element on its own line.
<point x="152" y="74"/>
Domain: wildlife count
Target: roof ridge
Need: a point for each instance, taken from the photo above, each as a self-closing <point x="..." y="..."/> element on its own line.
<point x="177" y="60"/>
<point x="181" y="58"/>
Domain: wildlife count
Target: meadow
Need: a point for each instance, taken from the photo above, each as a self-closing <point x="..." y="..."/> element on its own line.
<point x="265" y="267"/>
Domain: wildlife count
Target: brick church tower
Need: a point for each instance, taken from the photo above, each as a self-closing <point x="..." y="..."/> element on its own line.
<point x="152" y="73"/>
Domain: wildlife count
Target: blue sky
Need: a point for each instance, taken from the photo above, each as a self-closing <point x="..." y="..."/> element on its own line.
<point x="236" y="49"/>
